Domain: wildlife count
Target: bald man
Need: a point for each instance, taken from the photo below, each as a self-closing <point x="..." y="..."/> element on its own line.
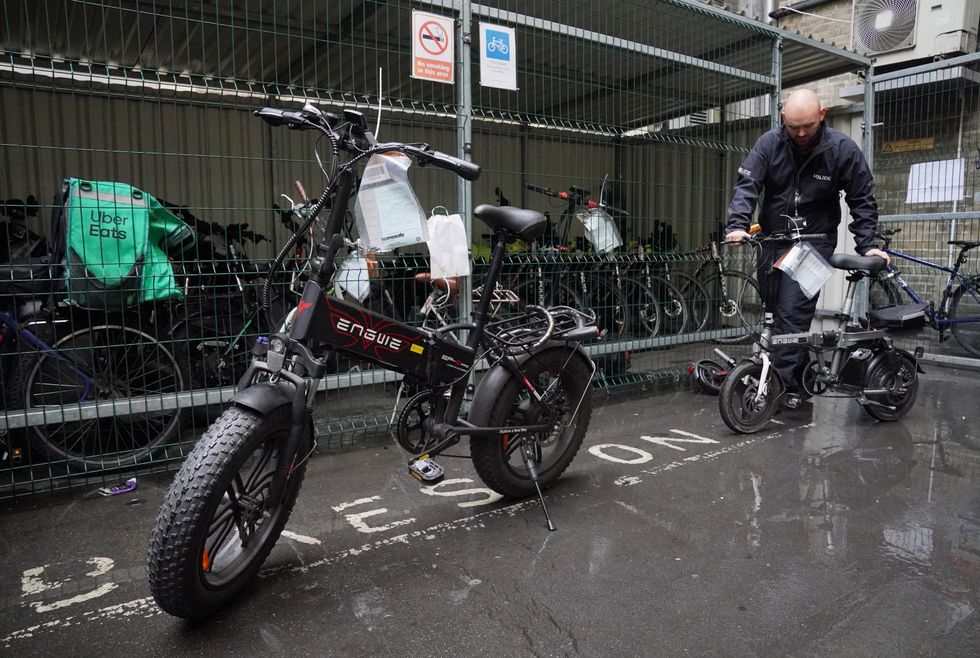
<point x="800" y="170"/>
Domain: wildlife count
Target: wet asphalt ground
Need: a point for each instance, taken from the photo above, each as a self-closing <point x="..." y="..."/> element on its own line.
<point x="827" y="534"/>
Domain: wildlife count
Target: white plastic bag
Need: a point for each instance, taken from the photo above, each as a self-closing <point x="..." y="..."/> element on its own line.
<point x="449" y="253"/>
<point x="352" y="276"/>
<point x="386" y="210"/>
<point x="600" y="230"/>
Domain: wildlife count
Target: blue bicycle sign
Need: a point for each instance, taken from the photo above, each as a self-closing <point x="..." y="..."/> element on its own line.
<point x="498" y="45"/>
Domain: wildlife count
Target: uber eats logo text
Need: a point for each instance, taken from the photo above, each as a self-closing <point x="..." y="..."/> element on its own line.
<point x="102" y="224"/>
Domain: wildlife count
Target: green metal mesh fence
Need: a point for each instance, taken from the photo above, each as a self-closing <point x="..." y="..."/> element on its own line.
<point x="927" y="164"/>
<point x="626" y="126"/>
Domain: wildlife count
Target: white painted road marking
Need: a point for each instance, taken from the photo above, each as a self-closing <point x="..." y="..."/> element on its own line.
<point x="146" y="608"/>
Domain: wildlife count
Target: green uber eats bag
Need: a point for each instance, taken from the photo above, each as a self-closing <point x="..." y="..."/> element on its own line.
<point x="117" y="239"/>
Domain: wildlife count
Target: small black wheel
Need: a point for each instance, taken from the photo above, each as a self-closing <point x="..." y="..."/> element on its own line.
<point x="896" y="374"/>
<point x="410" y="430"/>
<point x="709" y="376"/>
<point x="742" y="407"/>
<point x="217" y="524"/>
<point x="565" y="379"/>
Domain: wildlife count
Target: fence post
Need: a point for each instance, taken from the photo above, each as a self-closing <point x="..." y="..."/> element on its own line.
<point x="464" y="139"/>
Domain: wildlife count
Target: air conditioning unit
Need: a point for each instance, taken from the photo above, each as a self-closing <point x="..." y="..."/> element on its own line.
<point x="906" y="31"/>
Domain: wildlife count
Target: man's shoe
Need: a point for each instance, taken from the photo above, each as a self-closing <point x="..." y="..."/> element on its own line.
<point x="792" y="401"/>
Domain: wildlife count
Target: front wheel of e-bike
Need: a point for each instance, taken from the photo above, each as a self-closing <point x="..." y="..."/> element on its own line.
<point x="217" y="524"/>
<point x="742" y="408"/>
<point x="564" y="378"/>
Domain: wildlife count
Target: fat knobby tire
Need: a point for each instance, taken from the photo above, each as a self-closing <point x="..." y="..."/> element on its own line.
<point x="488" y="453"/>
<point x="174" y="566"/>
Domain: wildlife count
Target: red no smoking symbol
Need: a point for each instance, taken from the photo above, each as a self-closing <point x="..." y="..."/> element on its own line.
<point x="433" y="38"/>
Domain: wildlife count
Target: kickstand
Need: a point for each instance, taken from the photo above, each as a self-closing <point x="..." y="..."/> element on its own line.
<point x="533" y="472"/>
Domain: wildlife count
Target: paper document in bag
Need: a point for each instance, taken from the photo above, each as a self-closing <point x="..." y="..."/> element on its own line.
<point x="807" y="267"/>
<point x="387" y="212"/>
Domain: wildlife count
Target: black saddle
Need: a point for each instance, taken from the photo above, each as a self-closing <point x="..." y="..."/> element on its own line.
<point x="528" y="225"/>
<point x="848" y="262"/>
<point x="969" y="244"/>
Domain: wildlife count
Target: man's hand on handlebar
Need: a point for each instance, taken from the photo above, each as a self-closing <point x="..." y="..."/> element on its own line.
<point x="736" y="237"/>
<point x="880" y="254"/>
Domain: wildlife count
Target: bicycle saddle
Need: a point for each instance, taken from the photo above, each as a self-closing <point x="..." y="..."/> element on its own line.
<point x="965" y="243"/>
<point x="848" y="262"/>
<point x="527" y="225"/>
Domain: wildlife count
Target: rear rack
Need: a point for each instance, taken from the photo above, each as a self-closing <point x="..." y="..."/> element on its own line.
<point x="535" y="326"/>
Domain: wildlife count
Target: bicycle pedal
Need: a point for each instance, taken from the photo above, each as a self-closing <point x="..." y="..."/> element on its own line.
<point x="425" y="469"/>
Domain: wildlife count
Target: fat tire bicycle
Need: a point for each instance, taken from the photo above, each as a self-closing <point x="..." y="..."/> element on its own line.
<point x="233" y="495"/>
<point x="849" y="361"/>
<point x="959" y="307"/>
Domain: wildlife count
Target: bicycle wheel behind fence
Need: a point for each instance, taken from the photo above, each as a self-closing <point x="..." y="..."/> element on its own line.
<point x="735" y="306"/>
<point x="122" y="366"/>
<point x="966" y="306"/>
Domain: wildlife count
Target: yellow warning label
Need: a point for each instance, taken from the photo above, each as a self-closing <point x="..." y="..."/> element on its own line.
<point x="906" y="145"/>
<point x="418" y="349"/>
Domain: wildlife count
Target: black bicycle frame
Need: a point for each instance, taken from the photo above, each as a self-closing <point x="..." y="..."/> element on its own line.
<point x="323" y="320"/>
<point x="14" y="328"/>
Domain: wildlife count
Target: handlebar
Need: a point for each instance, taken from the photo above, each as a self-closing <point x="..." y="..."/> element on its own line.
<point x="293" y="119"/>
<point x="462" y="168"/>
<point x="578" y="195"/>
<point x="759" y="238"/>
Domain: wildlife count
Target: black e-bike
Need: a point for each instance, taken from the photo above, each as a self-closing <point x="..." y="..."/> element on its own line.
<point x="529" y="412"/>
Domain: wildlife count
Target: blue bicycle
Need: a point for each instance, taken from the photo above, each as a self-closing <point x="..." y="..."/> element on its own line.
<point x="959" y="308"/>
<point x="96" y="379"/>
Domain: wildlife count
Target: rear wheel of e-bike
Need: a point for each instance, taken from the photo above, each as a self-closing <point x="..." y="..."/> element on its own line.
<point x="217" y="525"/>
<point x="899" y="377"/>
<point x="741" y="409"/>
<point x="564" y="377"/>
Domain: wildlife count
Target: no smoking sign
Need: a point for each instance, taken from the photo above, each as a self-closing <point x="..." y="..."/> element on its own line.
<point x="433" y="47"/>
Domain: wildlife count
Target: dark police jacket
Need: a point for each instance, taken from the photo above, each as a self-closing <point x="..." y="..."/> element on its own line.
<point x="833" y="165"/>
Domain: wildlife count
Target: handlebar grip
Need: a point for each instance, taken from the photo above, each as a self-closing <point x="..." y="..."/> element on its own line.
<point x="811" y="237"/>
<point x="547" y="191"/>
<point x="613" y="210"/>
<point x="462" y="168"/>
<point x="277" y="117"/>
<point x="301" y="191"/>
